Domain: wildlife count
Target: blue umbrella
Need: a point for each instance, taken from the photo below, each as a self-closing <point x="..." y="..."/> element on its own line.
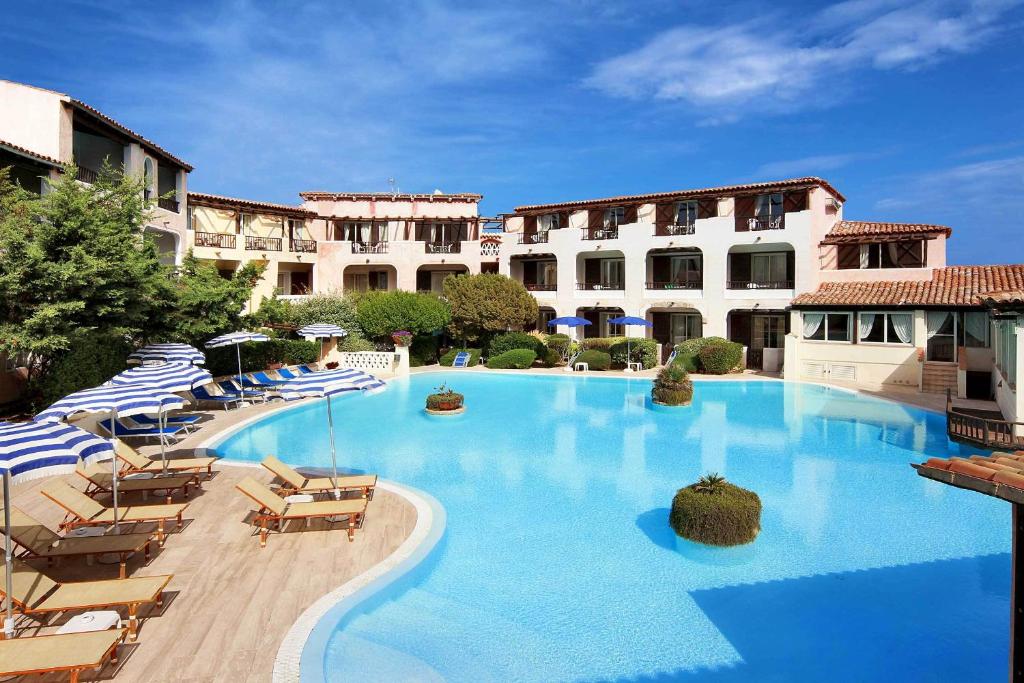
<point x="235" y="339"/>
<point x="327" y="384"/>
<point x="569" y="321"/>
<point x="167" y="353"/>
<point x="630" y="320"/>
<point x="322" y="331"/>
<point x="37" y="449"/>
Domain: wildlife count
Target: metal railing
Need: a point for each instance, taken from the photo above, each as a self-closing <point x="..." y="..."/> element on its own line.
<point x="760" y="284"/>
<point x="369" y="247"/>
<point x="442" y="247"/>
<point x="87" y="175"/>
<point x="675" y="229"/>
<point x="756" y="223"/>
<point x="253" y="243"/>
<point x="537" y="287"/>
<point x="609" y="233"/>
<point x="304" y="246"/>
<point x="533" y="238"/>
<point x="215" y="239"/>
<point x="687" y="284"/>
<point x="613" y="286"/>
<point x="168" y="204"/>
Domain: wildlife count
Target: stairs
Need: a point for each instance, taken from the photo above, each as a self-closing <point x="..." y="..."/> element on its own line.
<point x="936" y="378"/>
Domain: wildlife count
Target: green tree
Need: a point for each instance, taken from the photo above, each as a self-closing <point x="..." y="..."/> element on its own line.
<point x="207" y="304"/>
<point x="486" y="304"/>
<point x="381" y="313"/>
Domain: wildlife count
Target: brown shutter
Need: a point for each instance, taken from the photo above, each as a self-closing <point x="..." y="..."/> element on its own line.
<point x="707" y="208"/>
<point x="592" y="270"/>
<point x="422" y="231"/>
<point x="660" y="268"/>
<point x="529" y="225"/>
<point x="744" y="210"/>
<point x="595" y="218"/>
<point x="849" y="257"/>
<point x="563" y="219"/>
<point x="630" y="216"/>
<point x="664" y="214"/>
<point x="422" y="280"/>
<point x="910" y="254"/>
<point x="794" y="200"/>
<point x="739" y="328"/>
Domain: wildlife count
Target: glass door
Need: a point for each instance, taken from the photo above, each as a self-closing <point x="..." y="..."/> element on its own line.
<point x="683" y="326"/>
<point x="942" y="331"/>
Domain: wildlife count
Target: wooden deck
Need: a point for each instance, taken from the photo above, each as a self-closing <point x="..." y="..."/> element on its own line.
<point x="230" y="603"/>
<point x="985" y="428"/>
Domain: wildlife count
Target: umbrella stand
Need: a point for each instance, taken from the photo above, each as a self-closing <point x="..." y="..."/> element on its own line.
<point x="334" y="457"/>
<point x="113" y="442"/>
<point x="8" y="631"/>
<point x="238" y="357"/>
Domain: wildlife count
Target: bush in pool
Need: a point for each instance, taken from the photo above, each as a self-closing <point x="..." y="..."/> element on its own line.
<point x="715" y="512"/>
<point x="595" y="360"/>
<point x="672" y="386"/>
<point x="449" y="356"/>
<point x="516" y="359"/>
<point x="721" y="357"/>
<point x="514" y="340"/>
<point x="445" y="398"/>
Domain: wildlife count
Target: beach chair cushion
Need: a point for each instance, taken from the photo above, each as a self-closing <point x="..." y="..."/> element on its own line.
<point x="461" y="359"/>
<point x="142" y="463"/>
<point x="300" y="482"/>
<point x="40" y="541"/>
<point x="33" y="591"/>
<point x="88" y="510"/>
<point x="58" y="652"/>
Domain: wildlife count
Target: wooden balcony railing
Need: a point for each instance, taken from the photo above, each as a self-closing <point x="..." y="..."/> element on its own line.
<point x="696" y="283"/>
<point x="533" y="238"/>
<point x="981" y="428"/>
<point x="609" y="233"/>
<point x="369" y="247"/>
<point x="253" y="243"/>
<point x="168" y="204"/>
<point x="537" y="287"/>
<point x="761" y="284"/>
<point x="304" y="246"/>
<point x="442" y="247"/>
<point x="87" y="175"/>
<point x="215" y="239"/>
<point x="675" y="229"/>
<point x="613" y="286"/>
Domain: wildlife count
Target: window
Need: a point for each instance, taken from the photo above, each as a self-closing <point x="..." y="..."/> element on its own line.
<point x="1006" y="348"/>
<point x="975" y="330"/>
<point x="769" y="331"/>
<point x="768" y="268"/>
<point x="886" y="328"/>
<point x="284" y="282"/>
<point x="768" y="204"/>
<point x="833" y="327"/>
<point x="614" y="216"/>
<point x="608" y="329"/>
<point x="190" y="217"/>
<point x="244" y="224"/>
<point x="613" y="273"/>
<point x="684" y="326"/>
<point x="684" y="269"/>
<point x="548" y="221"/>
<point x="908" y="254"/>
<point x="544" y="316"/>
<point x="686" y="213"/>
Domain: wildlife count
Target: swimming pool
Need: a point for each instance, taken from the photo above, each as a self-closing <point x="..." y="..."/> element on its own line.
<point x="557" y="563"/>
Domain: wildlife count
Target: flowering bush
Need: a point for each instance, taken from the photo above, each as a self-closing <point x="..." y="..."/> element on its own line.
<point x="401" y="338"/>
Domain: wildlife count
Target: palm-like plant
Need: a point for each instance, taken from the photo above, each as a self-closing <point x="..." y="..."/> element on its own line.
<point x="711" y="484"/>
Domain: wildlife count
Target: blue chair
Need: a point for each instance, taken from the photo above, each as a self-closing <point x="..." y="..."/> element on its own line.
<point x="185" y="421"/>
<point x="231" y="386"/>
<point x="305" y="369"/>
<point x="287" y="373"/>
<point x="461" y="359"/>
<point x="266" y="380"/>
<point x="201" y="394"/>
<point x="124" y="431"/>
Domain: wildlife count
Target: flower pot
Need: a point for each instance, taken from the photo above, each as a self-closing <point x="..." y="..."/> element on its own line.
<point x="449" y="405"/>
<point x="275" y="366"/>
<point x="333" y="365"/>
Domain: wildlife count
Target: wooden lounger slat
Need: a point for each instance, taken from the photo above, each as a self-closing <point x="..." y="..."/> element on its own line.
<point x="274" y="510"/>
<point x="72" y="652"/>
<point x="297" y="483"/>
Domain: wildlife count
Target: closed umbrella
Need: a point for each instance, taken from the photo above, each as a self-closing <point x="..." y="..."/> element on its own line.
<point x="235" y="339"/>
<point x="327" y="384"/>
<point x="124" y="400"/>
<point x="322" y="331"/>
<point x="630" y="320"/>
<point x="167" y="353"/>
<point x="38" y="449"/>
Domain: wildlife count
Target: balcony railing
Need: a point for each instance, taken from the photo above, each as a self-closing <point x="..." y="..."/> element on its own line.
<point x="489" y="249"/>
<point x="686" y="284"/>
<point x="262" y="243"/>
<point x="675" y="229"/>
<point x="215" y="239"/>
<point x="304" y="246"/>
<point x="613" y="286"/>
<point x="757" y="223"/>
<point x="369" y="247"/>
<point x="87" y="175"/>
<point x="533" y="238"/>
<point x="168" y="204"/>
<point x="760" y="284"/>
<point x="538" y="287"/>
<point x="442" y="247"/>
<point x="608" y="233"/>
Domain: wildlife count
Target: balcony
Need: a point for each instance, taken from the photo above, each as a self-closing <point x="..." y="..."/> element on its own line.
<point x="695" y="283"/>
<point x="533" y="238"/>
<point x="215" y="239"/>
<point x="442" y="247"/>
<point x="609" y="233"/>
<point x="537" y="287"/>
<point x="87" y="175"/>
<point x="675" y="230"/>
<point x="598" y="286"/>
<point x="262" y="243"/>
<point x="758" y="223"/>
<point x="304" y="246"/>
<point x="168" y="204"/>
<point x="369" y="247"/>
<point x="760" y="284"/>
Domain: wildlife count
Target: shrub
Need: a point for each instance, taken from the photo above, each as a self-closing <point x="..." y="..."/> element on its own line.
<point x="423" y="350"/>
<point x="720" y="357"/>
<point x="672" y="386"/>
<point x="595" y="360"/>
<point x="91" y="360"/>
<point x="551" y="358"/>
<point x="637" y="350"/>
<point x="558" y="342"/>
<point x="381" y="313"/>
<point x="514" y="340"/>
<point x="256" y="356"/>
<point x="355" y="342"/>
<point x="715" y="512"/>
<point x="600" y="343"/>
<point x="688" y="352"/>
<point x="516" y="359"/>
<point x="449" y="357"/>
<point x="487" y="303"/>
<point x="331" y="308"/>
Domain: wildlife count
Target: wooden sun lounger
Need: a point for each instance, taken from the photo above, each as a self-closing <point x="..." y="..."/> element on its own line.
<point x="35" y="594"/>
<point x="62" y="652"/>
<point x="136" y="462"/>
<point x="273" y="509"/>
<point x="102" y="481"/>
<point x="39" y="541"/>
<point x="84" y="511"/>
<point x="294" y="482"/>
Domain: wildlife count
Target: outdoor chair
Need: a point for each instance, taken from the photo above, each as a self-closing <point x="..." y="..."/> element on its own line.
<point x="266" y="380"/>
<point x="230" y="385"/>
<point x="70" y="653"/>
<point x="126" y="431"/>
<point x="201" y="395"/>
<point x="184" y="420"/>
<point x="136" y="462"/>
<point x="101" y="480"/>
<point x="294" y="482"/>
<point x="273" y="510"/>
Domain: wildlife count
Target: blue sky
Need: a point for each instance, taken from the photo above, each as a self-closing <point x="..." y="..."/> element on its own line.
<point x="912" y="109"/>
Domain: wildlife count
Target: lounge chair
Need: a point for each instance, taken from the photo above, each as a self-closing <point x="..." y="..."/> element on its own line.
<point x="102" y="481"/>
<point x="136" y="462"/>
<point x="294" y="482"/>
<point x="34" y="593"/>
<point x="201" y="395"/>
<point x="183" y="420"/>
<point x="287" y="373"/>
<point x="84" y="511"/>
<point x="39" y="541"/>
<point x="461" y="359"/>
<point x="232" y="385"/>
<point x="72" y="653"/>
<point x="273" y="509"/>
<point x="263" y="379"/>
<point x="125" y="431"/>
<point x="305" y="369"/>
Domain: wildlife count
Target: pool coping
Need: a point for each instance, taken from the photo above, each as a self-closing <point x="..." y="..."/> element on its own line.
<point x="300" y="655"/>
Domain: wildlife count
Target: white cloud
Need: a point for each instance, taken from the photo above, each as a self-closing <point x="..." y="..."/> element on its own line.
<point x="776" y="63"/>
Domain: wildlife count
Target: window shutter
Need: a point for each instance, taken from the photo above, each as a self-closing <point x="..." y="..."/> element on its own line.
<point x="664" y="214"/>
<point x="910" y="254"/>
<point x="660" y="266"/>
<point x="630" y="216"/>
<point x="794" y="200"/>
<point x="592" y="270"/>
<point x="422" y="280"/>
<point x="595" y="218"/>
<point x="849" y="257"/>
<point x="662" y="327"/>
<point x="707" y="208"/>
<point x="422" y="231"/>
<point x="529" y="225"/>
<point x="791" y="266"/>
<point x="739" y="267"/>
<point x="530" y="272"/>
<point x="744" y="210"/>
<point x="563" y="219"/>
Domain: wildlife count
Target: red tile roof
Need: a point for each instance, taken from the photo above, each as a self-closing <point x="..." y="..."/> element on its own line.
<point x="676" y="194"/>
<point x="853" y="231"/>
<point x="130" y="133"/>
<point x="215" y="200"/>
<point x="316" y="195"/>
<point x="21" y="151"/>
<point x="950" y="286"/>
<point x="1000" y="474"/>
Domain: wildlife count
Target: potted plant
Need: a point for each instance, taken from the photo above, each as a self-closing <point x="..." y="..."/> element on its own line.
<point x="445" y="400"/>
<point x="401" y="338"/>
<point x="333" y="365"/>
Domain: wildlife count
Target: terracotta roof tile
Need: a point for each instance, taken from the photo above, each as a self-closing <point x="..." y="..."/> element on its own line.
<point x="315" y="195"/>
<point x="215" y="200"/>
<point x="849" y="231"/>
<point x="725" y="189"/>
<point x="22" y="151"/>
<point x="131" y="133"/>
<point x="950" y="286"/>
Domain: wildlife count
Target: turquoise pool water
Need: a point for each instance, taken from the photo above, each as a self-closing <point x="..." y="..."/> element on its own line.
<point x="557" y="563"/>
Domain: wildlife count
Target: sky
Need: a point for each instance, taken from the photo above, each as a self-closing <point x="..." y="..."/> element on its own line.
<point x="914" y="110"/>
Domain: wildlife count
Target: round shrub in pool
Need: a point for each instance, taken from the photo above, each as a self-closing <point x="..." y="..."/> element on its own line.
<point x="715" y="512"/>
<point x="672" y="386"/>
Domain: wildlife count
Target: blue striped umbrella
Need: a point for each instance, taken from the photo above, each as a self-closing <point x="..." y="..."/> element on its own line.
<point x="329" y="383"/>
<point x="235" y="339"/>
<point x="167" y="353"/>
<point x="322" y="331"/>
<point x="37" y="449"/>
<point x="172" y="377"/>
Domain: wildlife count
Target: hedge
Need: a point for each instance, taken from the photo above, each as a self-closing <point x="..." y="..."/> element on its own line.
<point x="551" y="358"/>
<point x="720" y="358"/>
<point x="256" y="356"/>
<point x="91" y="360"/>
<point x="672" y="386"/>
<point x="637" y="350"/>
<point x="449" y="357"/>
<point x="514" y="340"/>
<point x="558" y="342"/>
<point x="688" y="352"/>
<point x="716" y="513"/>
<point x="516" y="359"/>
<point x="424" y="350"/>
<point x="595" y="360"/>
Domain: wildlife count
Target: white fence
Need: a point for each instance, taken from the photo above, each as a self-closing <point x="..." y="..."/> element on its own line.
<point x="379" y="361"/>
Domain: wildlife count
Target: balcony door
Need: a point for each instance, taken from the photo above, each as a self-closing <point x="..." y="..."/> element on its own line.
<point x="768" y="269"/>
<point x="684" y="270"/>
<point x="942" y="335"/>
<point x="613" y="273"/>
